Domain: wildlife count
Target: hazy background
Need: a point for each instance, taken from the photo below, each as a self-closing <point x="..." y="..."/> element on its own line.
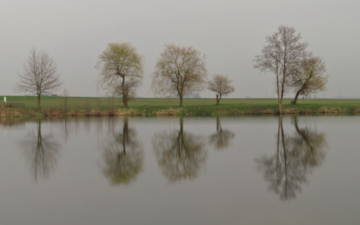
<point x="229" y="32"/>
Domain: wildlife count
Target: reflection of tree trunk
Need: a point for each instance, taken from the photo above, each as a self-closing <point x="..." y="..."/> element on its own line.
<point x="39" y="150"/>
<point x="218" y="125"/>
<point x="281" y="145"/>
<point x="39" y="133"/>
<point x="181" y="120"/>
<point x="303" y="134"/>
<point x="180" y="137"/>
<point x="182" y="145"/>
<point x="125" y="134"/>
<point x="285" y="156"/>
<point x="66" y="129"/>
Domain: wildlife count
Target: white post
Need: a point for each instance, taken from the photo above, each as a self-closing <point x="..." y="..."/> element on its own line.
<point x="5" y="100"/>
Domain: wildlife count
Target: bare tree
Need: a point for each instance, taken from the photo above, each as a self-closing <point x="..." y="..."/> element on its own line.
<point x="282" y="56"/>
<point x="121" y="70"/>
<point x="180" y="71"/>
<point x="310" y="77"/>
<point x="40" y="75"/>
<point x="221" y="85"/>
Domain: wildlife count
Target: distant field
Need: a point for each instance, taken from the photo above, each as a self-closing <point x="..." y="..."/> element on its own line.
<point x="192" y="107"/>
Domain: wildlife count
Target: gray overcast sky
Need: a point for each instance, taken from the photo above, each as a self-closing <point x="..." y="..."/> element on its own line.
<point x="229" y="32"/>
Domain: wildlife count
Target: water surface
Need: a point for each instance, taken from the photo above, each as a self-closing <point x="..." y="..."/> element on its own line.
<point x="253" y="170"/>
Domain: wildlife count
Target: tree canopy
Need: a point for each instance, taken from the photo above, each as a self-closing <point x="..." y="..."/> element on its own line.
<point x="180" y="71"/>
<point x="121" y="70"/>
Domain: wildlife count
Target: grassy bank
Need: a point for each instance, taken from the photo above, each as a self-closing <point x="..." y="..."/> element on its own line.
<point x="57" y="107"/>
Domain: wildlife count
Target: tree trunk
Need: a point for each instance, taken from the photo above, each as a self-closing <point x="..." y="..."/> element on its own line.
<point x="218" y="99"/>
<point x="39" y="101"/>
<point x="180" y="100"/>
<point x="280" y="106"/>
<point x="294" y="101"/>
<point x="181" y="121"/>
<point x="278" y="92"/>
<point x="124" y="93"/>
<point x="125" y="100"/>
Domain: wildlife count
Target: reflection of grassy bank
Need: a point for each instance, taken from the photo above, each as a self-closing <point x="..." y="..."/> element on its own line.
<point x="58" y="107"/>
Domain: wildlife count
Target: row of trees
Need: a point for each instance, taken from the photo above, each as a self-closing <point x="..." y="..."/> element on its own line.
<point x="181" y="71"/>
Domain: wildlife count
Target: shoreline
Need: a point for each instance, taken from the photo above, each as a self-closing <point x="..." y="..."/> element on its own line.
<point x="24" y="108"/>
<point x="8" y="114"/>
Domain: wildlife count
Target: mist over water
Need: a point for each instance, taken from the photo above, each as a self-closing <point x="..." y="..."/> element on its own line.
<point x="248" y="170"/>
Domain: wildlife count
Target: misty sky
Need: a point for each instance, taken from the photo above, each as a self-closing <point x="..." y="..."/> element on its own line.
<point x="229" y="32"/>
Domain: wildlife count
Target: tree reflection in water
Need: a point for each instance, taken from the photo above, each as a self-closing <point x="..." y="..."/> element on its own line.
<point x="123" y="156"/>
<point x="296" y="156"/>
<point x="221" y="139"/>
<point x="180" y="154"/>
<point x="42" y="151"/>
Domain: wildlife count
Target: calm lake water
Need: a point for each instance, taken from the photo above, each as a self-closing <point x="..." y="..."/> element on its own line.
<point x="171" y="171"/>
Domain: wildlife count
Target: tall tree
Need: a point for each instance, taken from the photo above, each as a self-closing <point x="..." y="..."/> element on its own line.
<point x="121" y="70"/>
<point x="40" y="75"/>
<point x="221" y="85"/>
<point x="282" y="55"/>
<point x="310" y="78"/>
<point x="180" y="71"/>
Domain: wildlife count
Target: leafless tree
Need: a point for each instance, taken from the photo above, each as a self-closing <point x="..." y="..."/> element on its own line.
<point x="221" y="85"/>
<point x="121" y="70"/>
<point x="40" y="75"/>
<point x="180" y="71"/>
<point x="310" y="78"/>
<point x="282" y="56"/>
